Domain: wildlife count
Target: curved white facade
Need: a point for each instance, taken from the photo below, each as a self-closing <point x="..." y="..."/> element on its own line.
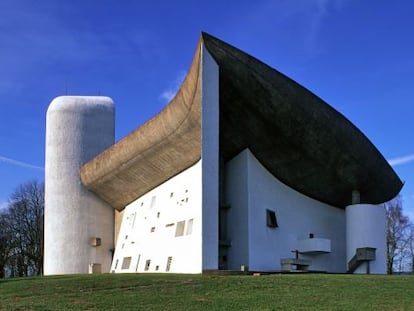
<point x="78" y="225"/>
<point x="365" y="227"/>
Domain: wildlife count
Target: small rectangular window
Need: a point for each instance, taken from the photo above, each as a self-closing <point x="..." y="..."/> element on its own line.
<point x="132" y="220"/>
<point x="189" y="227"/>
<point x="125" y="263"/>
<point x="271" y="220"/>
<point x="153" y="200"/>
<point x="169" y="260"/>
<point x="139" y="257"/>
<point x="147" y="265"/>
<point x="152" y="229"/>
<point x="179" y="231"/>
<point x="116" y="263"/>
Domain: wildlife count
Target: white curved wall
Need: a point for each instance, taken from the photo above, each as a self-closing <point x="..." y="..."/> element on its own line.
<point x="250" y="191"/>
<point x="365" y="227"/>
<point x="77" y="129"/>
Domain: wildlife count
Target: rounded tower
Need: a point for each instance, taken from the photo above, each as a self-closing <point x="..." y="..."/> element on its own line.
<point x="366" y="238"/>
<point x="79" y="226"/>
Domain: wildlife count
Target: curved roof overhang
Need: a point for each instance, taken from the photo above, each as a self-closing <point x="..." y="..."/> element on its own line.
<point x="161" y="148"/>
<point x="298" y="137"/>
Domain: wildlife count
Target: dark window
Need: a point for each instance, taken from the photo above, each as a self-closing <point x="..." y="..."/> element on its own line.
<point x="271" y="220"/>
<point x="147" y="265"/>
<point x="169" y="260"/>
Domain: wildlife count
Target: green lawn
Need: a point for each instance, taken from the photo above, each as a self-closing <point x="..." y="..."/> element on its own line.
<point x="207" y="292"/>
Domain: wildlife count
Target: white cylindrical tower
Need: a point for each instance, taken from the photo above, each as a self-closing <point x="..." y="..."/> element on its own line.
<point x="365" y="228"/>
<point x="79" y="226"/>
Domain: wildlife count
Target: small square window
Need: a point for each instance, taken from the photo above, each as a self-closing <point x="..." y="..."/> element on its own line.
<point x="271" y="220"/>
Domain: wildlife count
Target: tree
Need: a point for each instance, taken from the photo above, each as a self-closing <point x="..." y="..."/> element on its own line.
<point x="22" y="228"/>
<point x="5" y="245"/>
<point x="411" y="247"/>
<point x="397" y="227"/>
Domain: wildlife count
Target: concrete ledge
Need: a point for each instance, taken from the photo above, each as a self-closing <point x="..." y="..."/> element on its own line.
<point x="289" y="264"/>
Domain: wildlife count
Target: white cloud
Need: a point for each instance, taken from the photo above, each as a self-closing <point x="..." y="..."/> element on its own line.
<point x="3" y="206"/>
<point x="170" y="92"/>
<point x="19" y="163"/>
<point x="401" y="160"/>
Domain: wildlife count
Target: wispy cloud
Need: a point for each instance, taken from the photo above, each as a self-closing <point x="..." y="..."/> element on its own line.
<point x="401" y="160"/>
<point x="317" y="12"/>
<point x="21" y="164"/>
<point x="170" y="92"/>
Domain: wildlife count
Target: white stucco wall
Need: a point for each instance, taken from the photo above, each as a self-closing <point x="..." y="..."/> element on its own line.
<point x="365" y="227"/>
<point x="150" y="224"/>
<point x="236" y="196"/>
<point x="210" y="159"/>
<point x="77" y="129"/>
<point x="261" y="247"/>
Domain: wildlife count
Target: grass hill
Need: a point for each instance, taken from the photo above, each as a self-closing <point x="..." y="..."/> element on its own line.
<point x="208" y="292"/>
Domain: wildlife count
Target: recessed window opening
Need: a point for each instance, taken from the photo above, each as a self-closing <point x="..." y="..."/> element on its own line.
<point x="116" y="263"/>
<point x="126" y="263"/>
<point x="157" y="268"/>
<point x="158" y="215"/>
<point x="271" y="220"/>
<point x="179" y="231"/>
<point x="169" y="261"/>
<point x="139" y="257"/>
<point x="131" y="219"/>
<point x="171" y="194"/>
<point x="152" y="229"/>
<point x="147" y="265"/>
<point x="169" y="225"/>
<point x="153" y="200"/>
<point x="190" y="226"/>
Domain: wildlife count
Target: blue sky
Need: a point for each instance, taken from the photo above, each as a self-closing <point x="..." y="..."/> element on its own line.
<point x="356" y="55"/>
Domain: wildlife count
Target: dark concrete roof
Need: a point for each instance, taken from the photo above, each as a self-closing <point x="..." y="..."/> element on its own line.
<point x="299" y="138"/>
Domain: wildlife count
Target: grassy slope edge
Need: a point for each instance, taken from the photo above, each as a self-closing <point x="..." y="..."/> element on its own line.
<point x="201" y="292"/>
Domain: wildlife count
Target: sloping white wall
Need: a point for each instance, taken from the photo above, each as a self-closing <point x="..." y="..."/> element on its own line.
<point x="297" y="216"/>
<point x="165" y="222"/>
